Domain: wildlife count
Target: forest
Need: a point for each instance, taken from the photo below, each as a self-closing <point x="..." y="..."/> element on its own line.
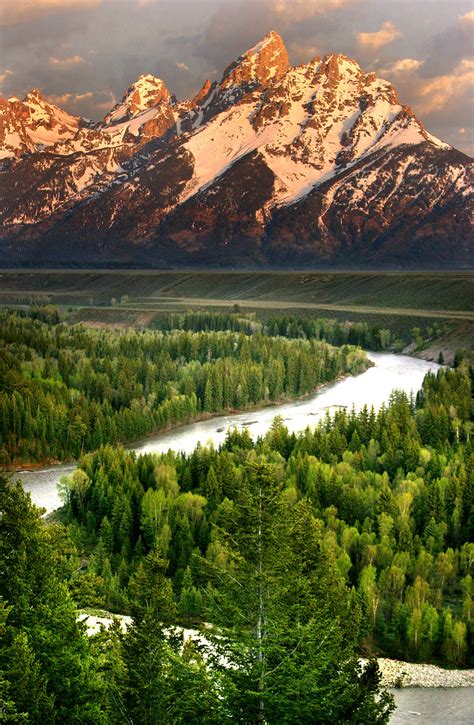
<point x="391" y="494"/>
<point x="65" y="390"/>
<point x="293" y="554"/>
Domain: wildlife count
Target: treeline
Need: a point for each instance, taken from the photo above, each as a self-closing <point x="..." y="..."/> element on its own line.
<point x="391" y="494"/>
<point x="65" y="389"/>
<point x="372" y="337"/>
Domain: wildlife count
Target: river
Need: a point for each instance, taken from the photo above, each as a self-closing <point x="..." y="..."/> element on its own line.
<point x="433" y="706"/>
<point x="373" y="387"/>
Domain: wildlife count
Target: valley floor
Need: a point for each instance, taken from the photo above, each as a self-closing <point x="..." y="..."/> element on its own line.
<point x="402" y="302"/>
<point x="423" y="292"/>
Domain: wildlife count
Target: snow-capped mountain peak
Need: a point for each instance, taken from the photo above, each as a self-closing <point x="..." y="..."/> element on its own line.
<point x="33" y="124"/>
<point x="273" y="163"/>
<point x="146" y="92"/>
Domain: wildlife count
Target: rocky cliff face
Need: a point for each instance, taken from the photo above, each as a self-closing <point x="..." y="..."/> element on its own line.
<point x="319" y="163"/>
<point x="32" y="124"/>
<point x="146" y="92"/>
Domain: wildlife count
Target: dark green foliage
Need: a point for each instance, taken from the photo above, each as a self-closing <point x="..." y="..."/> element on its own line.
<point x="66" y="390"/>
<point x="45" y="657"/>
<point x="373" y="337"/>
<point x="394" y="510"/>
<point x="162" y="682"/>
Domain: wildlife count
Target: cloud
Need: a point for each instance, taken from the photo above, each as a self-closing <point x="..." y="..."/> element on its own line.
<point x="20" y="11"/>
<point x="467" y="18"/>
<point x="67" y="62"/>
<point x="300" y="52"/>
<point x="89" y="104"/>
<point x="3" y="76"/>
<point x="373" y="41"/>
<point x="298" y="10"/>
<point x="108" y="102"/>
<point x="69" y="98"/>
<point x="447" y="48"/>
<point x="404" y="65"/>
<point x="436" y="93"/>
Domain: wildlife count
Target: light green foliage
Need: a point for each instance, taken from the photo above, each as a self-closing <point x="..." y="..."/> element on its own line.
<point x="386" y="522"/>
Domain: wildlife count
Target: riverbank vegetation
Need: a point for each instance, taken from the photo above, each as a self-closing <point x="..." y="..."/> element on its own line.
<point x="284" y="652"/>
<point x="66" y="390"/>
<point x="391" y="494"/>
<point x="294" y="553"/>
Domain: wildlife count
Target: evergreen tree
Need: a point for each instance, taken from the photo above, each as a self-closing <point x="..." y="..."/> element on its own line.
<point x="162" y="684"/>
<point x="45" y="655"/>
<point x="285" y="618"/>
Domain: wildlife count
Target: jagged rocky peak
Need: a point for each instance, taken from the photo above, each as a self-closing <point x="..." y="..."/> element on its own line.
<point x="39" y="108"/>
<point x="147" y="91"/>
<point x="336" y="69"/>
<point x="340" y="77"/>
<point x="33" y="123"/>
<point x="203" y="93"/>
<point x="266" y="61"/>
<point x="338" y="65"/>
<point x="261" y="66"/>
<point x="34" y="96"/>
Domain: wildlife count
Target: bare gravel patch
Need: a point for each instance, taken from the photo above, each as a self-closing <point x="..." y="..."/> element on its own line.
<point x="409" y="674"/>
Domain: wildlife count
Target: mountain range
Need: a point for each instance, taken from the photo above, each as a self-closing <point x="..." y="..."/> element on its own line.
<point x="313" y="165"/>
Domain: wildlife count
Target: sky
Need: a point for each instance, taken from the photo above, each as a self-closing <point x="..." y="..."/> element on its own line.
<point x="83" y="54"/>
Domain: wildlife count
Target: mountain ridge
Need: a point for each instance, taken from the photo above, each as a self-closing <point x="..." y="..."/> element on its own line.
<point x="274" y="164"/>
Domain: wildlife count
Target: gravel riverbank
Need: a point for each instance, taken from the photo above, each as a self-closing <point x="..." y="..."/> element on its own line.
<point x="394" y="672"/>
<point x="409" y="674"/>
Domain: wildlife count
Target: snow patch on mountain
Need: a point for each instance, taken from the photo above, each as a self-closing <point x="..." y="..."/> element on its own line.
<point x="326" y="152"/>
<point x="146" y="92"/>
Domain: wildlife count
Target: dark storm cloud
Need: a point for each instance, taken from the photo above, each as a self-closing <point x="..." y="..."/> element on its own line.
<point x="87" y="52"/>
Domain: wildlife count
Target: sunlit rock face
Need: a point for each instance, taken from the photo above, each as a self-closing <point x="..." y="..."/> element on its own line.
<point x="146" y="92"/>
<point x="272" y="165"/>
<point x="32" y="124"/>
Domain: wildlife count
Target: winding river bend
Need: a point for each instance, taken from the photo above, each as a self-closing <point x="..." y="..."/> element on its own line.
<point x="372" y="388"/>
<point x="432" y="705"/>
